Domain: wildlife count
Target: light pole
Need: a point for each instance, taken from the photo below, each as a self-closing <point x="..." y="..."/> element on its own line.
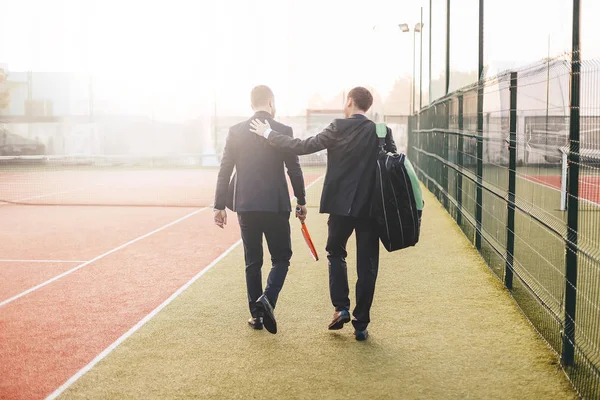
<point x="418" y="28"/>
<point x="430" y="33"/>
<point x="421" y="62"/>
<point x="403" y="28"/>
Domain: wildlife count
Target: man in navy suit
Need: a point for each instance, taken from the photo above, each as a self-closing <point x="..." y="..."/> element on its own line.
<point x="259" y="194"/>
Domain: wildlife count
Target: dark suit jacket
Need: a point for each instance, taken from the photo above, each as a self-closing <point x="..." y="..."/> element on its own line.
<point x="352" y="150"/>
<point x="259" y="182"/>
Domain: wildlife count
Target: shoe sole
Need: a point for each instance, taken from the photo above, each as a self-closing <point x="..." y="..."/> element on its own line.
<point x="339" y="323"/>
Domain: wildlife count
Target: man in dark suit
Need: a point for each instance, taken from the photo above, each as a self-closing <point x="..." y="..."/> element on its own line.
<point x="352" y="149"/>
<point x="259" y="194"/>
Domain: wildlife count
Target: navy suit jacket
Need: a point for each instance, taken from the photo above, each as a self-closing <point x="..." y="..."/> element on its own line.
<point x="352" y="150"/>
<point x="259" y="183"/>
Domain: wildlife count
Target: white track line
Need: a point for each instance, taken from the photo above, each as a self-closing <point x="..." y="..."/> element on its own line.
<point x="137" y="326"/>
<point x="41" y="285"/>
<point x="147" y="318"/>
<point x="42" y="261"/>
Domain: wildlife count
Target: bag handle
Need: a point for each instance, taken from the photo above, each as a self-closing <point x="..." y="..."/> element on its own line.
<point x="381" y="130"/>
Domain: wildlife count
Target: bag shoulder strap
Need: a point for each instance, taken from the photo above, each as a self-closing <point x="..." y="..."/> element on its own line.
<point x="381" y="130"/>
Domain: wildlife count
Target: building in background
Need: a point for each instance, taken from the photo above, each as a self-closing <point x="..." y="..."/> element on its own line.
<point x="49" y="110"/>
<point x="11" y="143"/>
<point x="53" y="113"/>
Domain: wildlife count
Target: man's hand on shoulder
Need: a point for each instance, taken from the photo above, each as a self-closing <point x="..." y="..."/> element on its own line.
<point x="220" y="218"/>
<point x="301" y="212"/>
<point x="260" y="128"/>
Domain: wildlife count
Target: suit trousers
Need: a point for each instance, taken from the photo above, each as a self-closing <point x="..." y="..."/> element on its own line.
<point x="276" y="229"/>
<point x="367" y="265"/>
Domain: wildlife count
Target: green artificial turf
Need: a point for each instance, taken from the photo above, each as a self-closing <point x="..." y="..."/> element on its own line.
<point x="442" y="327"/>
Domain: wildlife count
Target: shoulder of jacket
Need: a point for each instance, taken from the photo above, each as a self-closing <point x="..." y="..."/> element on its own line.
<point x="237" y="127"/>
<point x="282" y="128"/>
<point x="346" y="122"/>
<point x="338" y="123"/>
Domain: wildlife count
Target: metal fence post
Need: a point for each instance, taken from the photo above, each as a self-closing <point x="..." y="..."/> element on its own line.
<point x="568" y="351"/>
<point x="409" y="139"/>
<point x="445" y="153"/>
<point x="461" y="146"/>
<point x="440" y="150"/>
<point x="447" y="83"/>
<point x="512" y="183"/>
<point x="479" y="196"/>
<point x="432" y="148"/>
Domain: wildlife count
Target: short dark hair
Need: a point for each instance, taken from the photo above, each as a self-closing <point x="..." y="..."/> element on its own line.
<point x="363" y="99"/>
<point x="260" y="96"/>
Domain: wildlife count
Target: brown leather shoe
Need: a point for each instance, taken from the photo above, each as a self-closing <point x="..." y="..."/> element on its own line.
<point x="339" y="319"/>
<point x="256" y="323"/>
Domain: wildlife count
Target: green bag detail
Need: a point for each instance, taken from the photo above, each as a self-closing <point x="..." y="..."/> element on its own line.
<point x="381" y="130"/>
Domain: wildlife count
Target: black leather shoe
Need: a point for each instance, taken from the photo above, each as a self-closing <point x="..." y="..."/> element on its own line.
<point x="256" y="323"/>
<point x="361" y="335"/>
<point x="263" y="304"/>
<point x="339" y="319"/>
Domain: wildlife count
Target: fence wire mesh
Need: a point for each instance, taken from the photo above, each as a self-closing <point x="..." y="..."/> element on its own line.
<point x="521" y="225"/>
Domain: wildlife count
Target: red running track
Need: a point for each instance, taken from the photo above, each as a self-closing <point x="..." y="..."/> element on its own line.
<point x="48" y="335"/>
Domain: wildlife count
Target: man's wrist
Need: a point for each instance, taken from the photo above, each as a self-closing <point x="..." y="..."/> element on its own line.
<point x="267" y="133"/>
<point x="301" y="202"/>
<point x="218" y="209"/>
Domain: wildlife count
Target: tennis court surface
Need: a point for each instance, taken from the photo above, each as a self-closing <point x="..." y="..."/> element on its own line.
<point x="74" y="279"/>
<point x="149" y="302"/>
<point x="173" y="181"/>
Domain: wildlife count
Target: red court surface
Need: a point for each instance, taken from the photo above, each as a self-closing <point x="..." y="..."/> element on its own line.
<point x="73" y="279"/>
<point x="15" y="277"/>
<point x="126" y="187"/>
<point x="589" y="186"/>
<point x="191" y="188"/>
<point x="49" y="334"/>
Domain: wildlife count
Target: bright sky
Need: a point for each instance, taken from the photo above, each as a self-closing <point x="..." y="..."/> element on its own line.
<point x="170" y="57"/>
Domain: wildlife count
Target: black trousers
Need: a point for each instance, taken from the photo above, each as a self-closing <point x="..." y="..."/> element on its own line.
<point x="276" y="229"/>
<point x="367" y="265"/>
